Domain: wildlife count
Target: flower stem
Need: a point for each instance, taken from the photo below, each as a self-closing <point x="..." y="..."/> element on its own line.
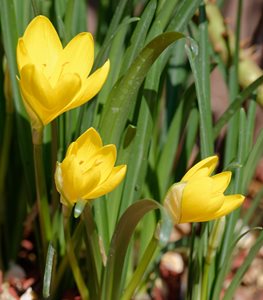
<point x="83" y="290"/>
<point x="63" y="265"/>
<point x="42" y="200"/>
<point x="144" y="263"/>
<point x="54" y="149"/>
<point x="214" y="241"/>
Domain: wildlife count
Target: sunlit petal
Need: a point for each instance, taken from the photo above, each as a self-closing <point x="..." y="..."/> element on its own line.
<point x="221" y="182"/>
<point x="88" y="143"/>
<point x="78" y="55"/>
<point x="42" y="42"/>
<point x="104" y="160"/>
<point x="54" y="80"/>
<point x="199" y="197"/>
<point x="35" y="90"/>
<point x="208" y="164"/>
<point x="231" y="202"/>
<point x="75" y="183"/>
<point x="110" y="184"/>
<point x="23" y="57"/>
<point x="92" y="85"/>
<point x="72" y="149"/>
<point x="66" y="89"/>
<point x="88" y="170"/>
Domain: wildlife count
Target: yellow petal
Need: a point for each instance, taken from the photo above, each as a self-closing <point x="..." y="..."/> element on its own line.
<point x="208" y="165"/>
<point x="78" y="55"/>
<point x="75" y="183"/>
<point x="39" y="95"/>
<point x="72" y="149"/>
<point x="70" y="175"/>
<point x="22" y="55"/>
<point x="198" y="201"/>
<point x="221" y="182"/>
<point x="173" y="201"/>
<point x="35" y="90"/>
<point x="58" y="178"/>
<point x="42" y="43"/>
<point x="206" y="214"/>
<point x="88" y="143"/>
<point x="110" y="184"/>
<point x="91" y="180"/>
<point x="65" y="90"/>
<point x="92" y="85"/>
<point x="59" y="185"/>
<point x="231" y="202"/>
<point x="104" y="161"/>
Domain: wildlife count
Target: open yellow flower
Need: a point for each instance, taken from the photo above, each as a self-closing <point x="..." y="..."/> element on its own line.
<point x="52" y="79"/>
<point x="199" y="197"/>
<point x="88" y="171"/>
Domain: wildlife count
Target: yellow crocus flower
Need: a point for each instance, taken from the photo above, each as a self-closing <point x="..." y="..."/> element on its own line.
<point x="54" y="79"/>
<point x="199" y="197"/>
<point x="88" y="171"/>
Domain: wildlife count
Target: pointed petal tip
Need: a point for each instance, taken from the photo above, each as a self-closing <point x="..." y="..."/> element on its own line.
<point x="107" y="65"/>
<point x="221" y="181"/>
<point x="35" y="22"/>
<point x="85" y="35"/>
<point x="208" y="164"/>
<point x="123" y="168"/>
<point x="90" y="132"/>
<point x="40" y="18"/>
<point x="212" y="159"/>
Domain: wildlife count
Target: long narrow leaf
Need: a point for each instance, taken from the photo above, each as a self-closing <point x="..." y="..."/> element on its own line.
<point x="243" y="268"/>
<point x="123" y="96"/>
<point x="119" y="244"/>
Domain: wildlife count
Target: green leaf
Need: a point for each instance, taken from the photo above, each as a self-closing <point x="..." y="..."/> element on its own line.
<point x="123" y="96"/>
<point x="115" y="21"/>
<point x="138" y="159"/>
<point x="10" y="37"/>
<point x="252" y="208"/>
<point x="119" y="245"/>
<point x="235" y="105"/>
<point x="138" y="36"/>
<point x="200" y="73"/>
<point x="224" y="268"/>
<point x="93" y="252"/>
<point x="252" y="161"/>
<point x="50" y="262"/>
<point x="243" y="268"/>
<point x="185" y="11"/>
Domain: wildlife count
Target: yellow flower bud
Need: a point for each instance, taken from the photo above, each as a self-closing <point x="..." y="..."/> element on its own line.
<point x="199" y="197"/>
<point x="54" y="79"/>
<point x="88" y="171"/>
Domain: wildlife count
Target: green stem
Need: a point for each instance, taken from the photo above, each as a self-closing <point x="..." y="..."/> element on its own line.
<point x="144" y="263"/>
<point x="190" y="262"/>
<point x="93" y="249"/>
<point x="204" y="290"/>
<point x="65" y="260"/>
<point x="42" y="200"/>
<point x="83" y="290"/>
<point x="214" y="241"/>
<point x="54" y="150"/>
